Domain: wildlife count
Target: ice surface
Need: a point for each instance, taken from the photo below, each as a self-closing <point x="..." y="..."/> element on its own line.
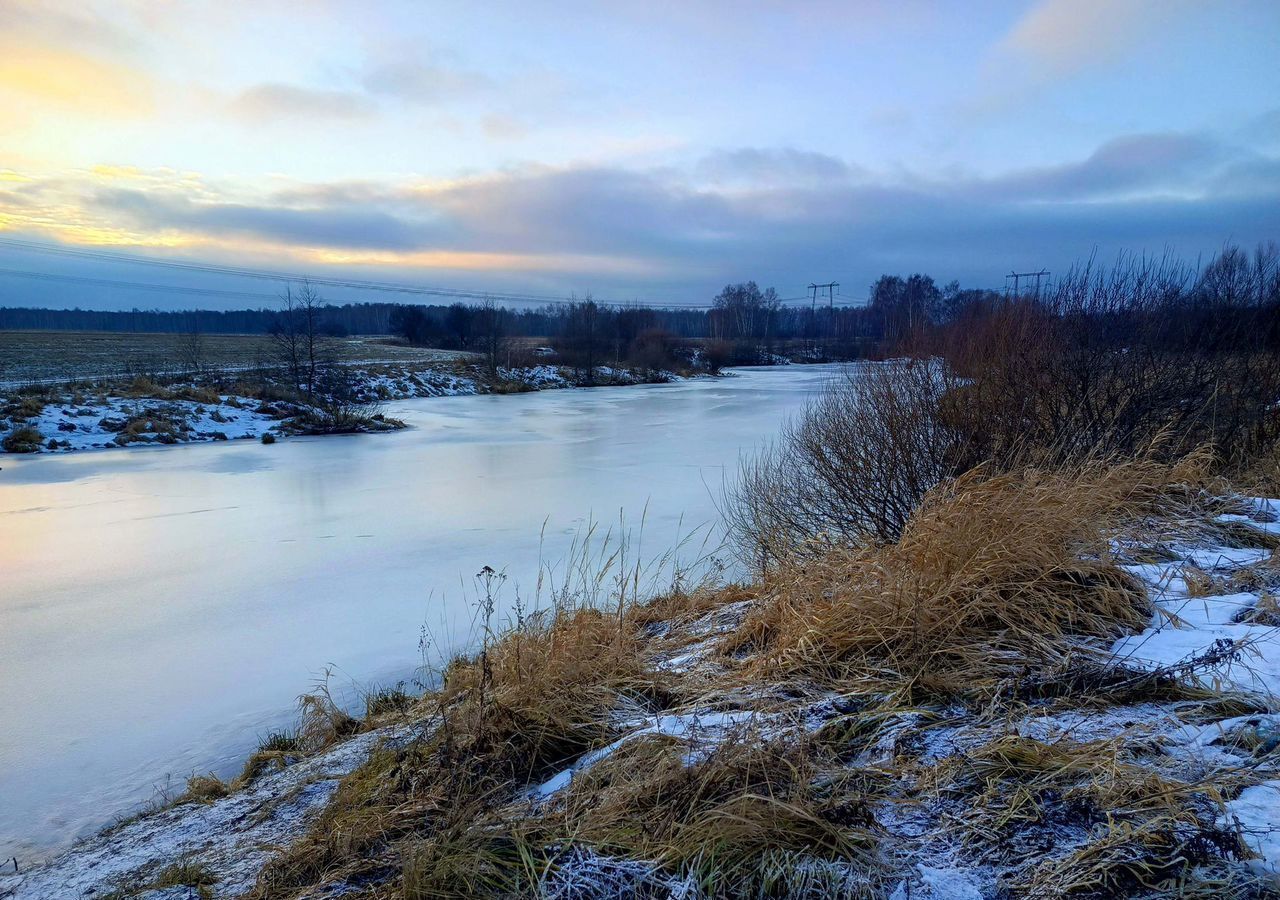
<point x="163" y="609"/>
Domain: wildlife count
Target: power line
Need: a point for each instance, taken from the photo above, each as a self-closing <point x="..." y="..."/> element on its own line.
<point x="135" y="285"/>
<point x="349" y="283"/>
<point x="1018" y="276"/>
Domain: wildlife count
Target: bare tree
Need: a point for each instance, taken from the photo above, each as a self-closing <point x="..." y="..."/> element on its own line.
<point x="584" y="340"/>
<point x="191" y="345"/>
<point x="298" y="344"/>
<point x="491" y="327"/>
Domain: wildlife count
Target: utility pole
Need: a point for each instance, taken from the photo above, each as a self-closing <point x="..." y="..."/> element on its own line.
<point x="830" y="288"/>
<point x="1017" y="278"/>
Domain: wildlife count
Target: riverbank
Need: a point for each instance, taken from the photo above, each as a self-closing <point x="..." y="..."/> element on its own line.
<point x="114" y="413"/>
<point x="1082" y="704"/>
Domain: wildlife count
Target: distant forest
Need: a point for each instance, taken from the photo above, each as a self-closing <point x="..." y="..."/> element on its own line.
<point x="739" y="312"/>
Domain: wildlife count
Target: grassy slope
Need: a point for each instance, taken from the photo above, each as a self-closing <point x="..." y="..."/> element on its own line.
<point x="825" y="732"/>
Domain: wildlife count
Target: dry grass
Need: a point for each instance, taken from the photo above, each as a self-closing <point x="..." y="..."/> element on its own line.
<point x="996" y="582"/>
<point x="753" y="817"/>
<point x="205" y="789"/>
<point x="323" y="721"/>
<point x="21" y="440"/>
<point x="1259" y="476"/>
<point x="1199" y="582"/>
<point x="525" y="705"/>
<point x="680" y="606"/>
<point x="277" y="750"/>
<point x="989" y="576"/>
<point x="21" y="407"/>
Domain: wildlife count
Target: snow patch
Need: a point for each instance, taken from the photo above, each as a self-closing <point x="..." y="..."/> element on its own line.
<point x="1257" y="810"/>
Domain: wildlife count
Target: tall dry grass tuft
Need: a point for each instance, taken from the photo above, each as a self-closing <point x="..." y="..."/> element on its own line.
<point x="545" y="692"/>
<point x="990" y="575"/>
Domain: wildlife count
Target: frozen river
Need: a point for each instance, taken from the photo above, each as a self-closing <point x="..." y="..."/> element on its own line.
<point x="160" y="609"/>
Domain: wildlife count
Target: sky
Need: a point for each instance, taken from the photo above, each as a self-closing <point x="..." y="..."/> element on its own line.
<point x="632" y="150"/>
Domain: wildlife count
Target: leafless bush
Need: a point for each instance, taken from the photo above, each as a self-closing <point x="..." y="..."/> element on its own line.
<point x="337" y="405"/>
<point x="852" y="468"/>
<point x="1149" y="355"/>
<point x="1148" y="359"/>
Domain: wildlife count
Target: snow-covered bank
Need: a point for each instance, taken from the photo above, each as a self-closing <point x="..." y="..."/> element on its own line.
<point x="120" y="422"/>
<point x="59" y="419"/>
<point x="232" y="837"/>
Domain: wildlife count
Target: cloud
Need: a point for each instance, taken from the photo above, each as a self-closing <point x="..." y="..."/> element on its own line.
<point x="503" y="128"/>
<point x="70" y="58"/>
<point x="786" y="217"/>
<point x="426" y="83"/>
<point x="265" y="103"/>
<point x="65" y="79"/>
<point x="1166" y="162"/>
<point x="69" y="24"/>
<point x="352" y="227"/>
<point x="786" y="165"/>
<point x="1062" y="37"/>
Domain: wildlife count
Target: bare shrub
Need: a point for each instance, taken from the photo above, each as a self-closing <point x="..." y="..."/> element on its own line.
<point x="337" y="405"/>
<point x="852" y="468"/>
<point x="22" y="440"/>
<point x="1148" y="355"/>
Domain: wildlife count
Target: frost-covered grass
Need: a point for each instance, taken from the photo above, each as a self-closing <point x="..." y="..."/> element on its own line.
<point x="996" y="745"/>
<point x="999" y="712"/>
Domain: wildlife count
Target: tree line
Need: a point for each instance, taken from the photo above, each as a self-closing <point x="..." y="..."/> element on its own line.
<point x="746" y="324"/>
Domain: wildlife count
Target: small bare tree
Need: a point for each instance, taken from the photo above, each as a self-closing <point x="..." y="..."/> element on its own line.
<point x="298" y="345"/>
<point x="492" y="328"/>
<point x="191" y="345"/>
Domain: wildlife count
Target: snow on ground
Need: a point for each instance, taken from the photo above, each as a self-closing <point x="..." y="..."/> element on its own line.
<point x="540" y="377"/>
<point x="1187" y="627"/>
<point x="105" y="422"/>
<point x="1257" y="812"/>
<point x="939" y="884"/>
<point x="407" y="384"/>
<point x="233" y="836"/>
<point x="699" y="729"/>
